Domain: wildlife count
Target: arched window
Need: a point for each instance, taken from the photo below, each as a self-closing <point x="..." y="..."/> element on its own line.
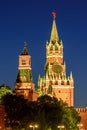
<point x="68" y="83"/>
<point x="56" y="83"/>
<point x="62" y="82"/>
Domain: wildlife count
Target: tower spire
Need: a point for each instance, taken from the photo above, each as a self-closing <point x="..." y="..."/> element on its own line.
<point x="54" y="33"/>
<point x="25" y="51"/>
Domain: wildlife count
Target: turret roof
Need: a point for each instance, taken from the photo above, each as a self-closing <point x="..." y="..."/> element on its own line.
<point x="54" y="32"/>
<point x="25" y="51"/>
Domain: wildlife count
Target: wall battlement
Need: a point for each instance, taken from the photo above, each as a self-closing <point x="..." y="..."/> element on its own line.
<point x="80" y="110"/>
<point x="83" y="113"/>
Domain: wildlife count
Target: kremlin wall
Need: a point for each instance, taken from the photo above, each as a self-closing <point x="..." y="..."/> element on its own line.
<point x="83" y="113"/>
<point x="2" y="114"/>
<point x="55" y="82"/>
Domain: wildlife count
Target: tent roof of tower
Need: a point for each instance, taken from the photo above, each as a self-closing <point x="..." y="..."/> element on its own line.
<point x="25" y="51"/>
<point x="54" y="33"/>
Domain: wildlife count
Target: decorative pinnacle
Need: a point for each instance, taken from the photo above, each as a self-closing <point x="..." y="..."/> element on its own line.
<point x="54" y="14"/>
<point x="25" y="43"/>
<point x="25" y="52"/>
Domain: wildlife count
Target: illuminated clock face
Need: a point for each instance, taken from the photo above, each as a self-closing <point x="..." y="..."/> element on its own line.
<point x="57" y="68"/>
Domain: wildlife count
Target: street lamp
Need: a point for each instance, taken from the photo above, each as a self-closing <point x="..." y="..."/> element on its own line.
<point x="79" y="125"/>
<point x="33" y="126"/>
<point x="60" y="127"/>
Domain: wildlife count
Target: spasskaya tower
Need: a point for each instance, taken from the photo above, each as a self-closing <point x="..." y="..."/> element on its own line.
<point x="55" y="82"/>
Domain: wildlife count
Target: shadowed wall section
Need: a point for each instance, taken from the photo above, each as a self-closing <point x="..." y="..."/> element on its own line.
<point x="2" y="127"/>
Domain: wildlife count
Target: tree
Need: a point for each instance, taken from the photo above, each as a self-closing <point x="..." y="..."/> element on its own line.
<point x="50" y="110"/>
<point x="71" y="118"/>
<point x="56" y="112"/>
<point x="47" y="111"/>
<point x="19" y="111"/>
<point x="3" y="91"/>
<point x="15" y="109"/>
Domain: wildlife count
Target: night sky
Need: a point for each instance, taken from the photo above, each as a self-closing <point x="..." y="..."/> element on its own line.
<point x="31" y="21"/>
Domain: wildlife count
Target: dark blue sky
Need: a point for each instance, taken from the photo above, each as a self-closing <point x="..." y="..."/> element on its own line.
<point x="31" y="21"/>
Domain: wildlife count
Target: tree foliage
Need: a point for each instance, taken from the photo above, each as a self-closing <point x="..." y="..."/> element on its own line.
<point x="3" y="91"/>
<point x="47" y="112"/>
<point x="71" y="118"/>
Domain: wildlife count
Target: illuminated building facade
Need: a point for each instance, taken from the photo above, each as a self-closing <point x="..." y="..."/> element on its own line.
<point x="55" y="82"/>
<point x="24" y="84"/>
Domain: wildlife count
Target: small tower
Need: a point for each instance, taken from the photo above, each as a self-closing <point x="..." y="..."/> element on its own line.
<point x="55" y="83"/>
<point x="24" y="84"/>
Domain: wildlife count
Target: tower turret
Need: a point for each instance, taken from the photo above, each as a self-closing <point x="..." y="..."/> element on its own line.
<point x="24" y="84"/>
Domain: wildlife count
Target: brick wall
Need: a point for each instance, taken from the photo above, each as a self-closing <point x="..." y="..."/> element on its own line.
<point x="83" y="113"/>
<point x="2" y="127"/>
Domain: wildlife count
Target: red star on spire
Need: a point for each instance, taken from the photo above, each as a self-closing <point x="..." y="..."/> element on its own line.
<point x="54" y="14"/>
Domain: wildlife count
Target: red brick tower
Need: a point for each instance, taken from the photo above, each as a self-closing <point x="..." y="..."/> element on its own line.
<point x="55" y="82"/>
<point x="24" y="83"/>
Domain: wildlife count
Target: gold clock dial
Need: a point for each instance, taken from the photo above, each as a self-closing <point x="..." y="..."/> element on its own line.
<point x="57" y="68"/>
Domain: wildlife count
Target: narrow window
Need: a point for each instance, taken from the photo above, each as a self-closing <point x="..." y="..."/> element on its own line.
<point x="23" y="62"/>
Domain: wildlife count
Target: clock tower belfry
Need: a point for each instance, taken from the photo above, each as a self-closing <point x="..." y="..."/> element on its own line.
<point x="55" y="82"/>
<point x="24" y="84"/>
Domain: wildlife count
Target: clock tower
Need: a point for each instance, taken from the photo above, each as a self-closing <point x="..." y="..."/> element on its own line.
<point x="24" y="84"/>
<point x="55" y="82"/>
